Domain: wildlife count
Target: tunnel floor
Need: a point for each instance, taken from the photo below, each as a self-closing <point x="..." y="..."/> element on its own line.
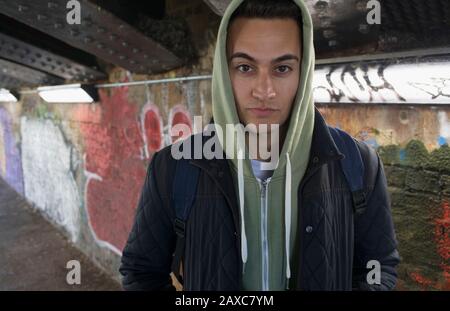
<point x="34" y="253"/>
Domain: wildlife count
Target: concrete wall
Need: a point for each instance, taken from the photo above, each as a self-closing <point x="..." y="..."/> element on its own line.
<point x="380" y="125"/>
<point x="413" y="144"/>
<point x="83" y="165"/>
<point x="420" y="190"/>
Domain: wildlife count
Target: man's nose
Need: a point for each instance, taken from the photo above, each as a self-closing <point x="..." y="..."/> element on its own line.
<point x="264" y="89"/>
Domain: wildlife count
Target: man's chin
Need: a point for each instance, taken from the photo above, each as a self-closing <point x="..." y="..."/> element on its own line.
<point x="262" y="127"/>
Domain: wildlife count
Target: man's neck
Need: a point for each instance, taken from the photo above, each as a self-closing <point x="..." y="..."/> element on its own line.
<point x="268" y="137"/>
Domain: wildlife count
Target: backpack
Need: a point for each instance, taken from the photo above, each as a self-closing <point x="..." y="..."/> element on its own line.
<point x="186" y="180"/>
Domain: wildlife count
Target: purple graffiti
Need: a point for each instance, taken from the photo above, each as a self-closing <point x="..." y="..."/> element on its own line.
<point x="10" y="161"/>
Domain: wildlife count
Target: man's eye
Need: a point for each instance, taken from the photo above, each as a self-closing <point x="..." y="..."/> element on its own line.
<point x="284" y="69"/>
<point x="243" y="68"/>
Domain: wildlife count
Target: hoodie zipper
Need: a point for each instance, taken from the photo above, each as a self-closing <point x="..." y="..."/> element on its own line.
<point x="264" y="239"/>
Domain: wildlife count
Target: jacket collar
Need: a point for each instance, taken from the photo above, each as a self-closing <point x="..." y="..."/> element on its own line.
<point x="323" y="147"/>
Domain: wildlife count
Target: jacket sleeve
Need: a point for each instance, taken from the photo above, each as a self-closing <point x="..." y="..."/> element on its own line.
<point x="147" y="256"/>
<point x="375" y="237"/>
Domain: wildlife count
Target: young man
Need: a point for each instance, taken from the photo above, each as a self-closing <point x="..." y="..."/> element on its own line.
<point x="287" y="226"/>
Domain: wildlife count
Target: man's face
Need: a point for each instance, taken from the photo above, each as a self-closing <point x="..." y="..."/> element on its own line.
<point x="264" y="57"/>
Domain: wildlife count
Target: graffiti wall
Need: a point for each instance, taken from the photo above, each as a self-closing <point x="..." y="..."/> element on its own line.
<point x="10" y="162"/>
<point x="384" y="82"/>
<point x="83" y="166"/>
<point x="392" y="125"/>
<point x="47" y="161"/>
<point x="117" y="150"/>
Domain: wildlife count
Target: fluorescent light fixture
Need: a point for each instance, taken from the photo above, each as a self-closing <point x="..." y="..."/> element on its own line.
<point x="8" y="96"/>
<point x="69" y="93"/>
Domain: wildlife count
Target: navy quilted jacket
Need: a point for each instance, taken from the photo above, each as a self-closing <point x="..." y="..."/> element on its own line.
<point x="334" y="244"/>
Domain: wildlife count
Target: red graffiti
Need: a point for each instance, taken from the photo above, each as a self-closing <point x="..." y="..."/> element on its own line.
<point x="422" y="281"/>
<point x="153" y="128"/>
<point x="119" y="141"/>
<point x="114" y="153"/>
<point x="442" y="240"/>
<point x="179" y="115"/>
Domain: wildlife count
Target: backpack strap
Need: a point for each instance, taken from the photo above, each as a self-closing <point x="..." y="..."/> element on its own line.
<point x="353" y="167"/>
<point x="183" y="196"/>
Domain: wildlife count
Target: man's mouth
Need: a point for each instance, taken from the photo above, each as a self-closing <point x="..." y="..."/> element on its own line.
<point x="262" y="112"/>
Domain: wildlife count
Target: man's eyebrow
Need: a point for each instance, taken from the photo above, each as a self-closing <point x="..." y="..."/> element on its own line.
<point x="276" y="60"/>
<point x="285" y="57"/>
<point x="242" y="55"/>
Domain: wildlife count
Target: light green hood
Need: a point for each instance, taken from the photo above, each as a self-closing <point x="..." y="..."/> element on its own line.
<point x="282" y="222"/>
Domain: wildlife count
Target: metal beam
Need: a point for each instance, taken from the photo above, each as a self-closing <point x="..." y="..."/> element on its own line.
<point x="337" y="24"/>
<point x="20" y="76"/>
<point x="100" y="33"/>
<point x="40" y="59"/>
<point x="10" y="83"/>
<point x="385" y="56"/>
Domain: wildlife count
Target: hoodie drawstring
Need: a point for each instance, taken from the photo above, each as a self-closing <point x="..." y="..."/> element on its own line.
<point x="244" y="249"/>
<point x="287" y="213"/>
<point x="287" y="217"/>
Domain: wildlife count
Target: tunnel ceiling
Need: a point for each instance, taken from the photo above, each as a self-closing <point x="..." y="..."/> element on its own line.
<point x="38" y="46"/>
<point x="341" y="28"/>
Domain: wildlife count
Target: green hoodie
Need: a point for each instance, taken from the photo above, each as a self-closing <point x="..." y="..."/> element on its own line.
<point x="265" y="264"/>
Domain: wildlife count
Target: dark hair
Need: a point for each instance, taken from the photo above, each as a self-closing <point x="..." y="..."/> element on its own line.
<point x="268" y="9"/>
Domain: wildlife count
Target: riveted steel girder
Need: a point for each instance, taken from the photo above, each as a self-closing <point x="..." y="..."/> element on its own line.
<point x="10" y="83"/>
<point x="345" y="26"/>
<point x="99" y="33"/>
<point x="20" y="76"/>
<point x="29" y="55"/>
<point x="338" y="24"/>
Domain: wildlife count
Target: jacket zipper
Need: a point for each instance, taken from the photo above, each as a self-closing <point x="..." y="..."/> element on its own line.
<point x="264" y="239"/>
